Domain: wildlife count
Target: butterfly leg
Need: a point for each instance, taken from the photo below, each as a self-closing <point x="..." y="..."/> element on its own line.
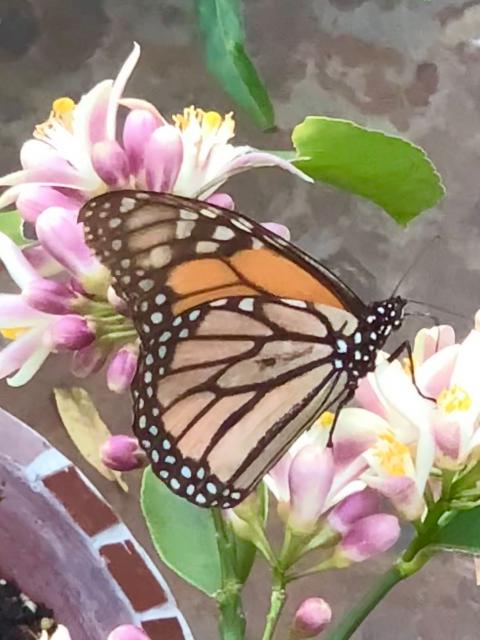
<point x="406" y="346"/>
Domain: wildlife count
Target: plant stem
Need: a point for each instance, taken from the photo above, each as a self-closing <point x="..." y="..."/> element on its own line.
<point x="231" y="622"/>
<point x="277" y="602"/>
<point x="357" y="615"/>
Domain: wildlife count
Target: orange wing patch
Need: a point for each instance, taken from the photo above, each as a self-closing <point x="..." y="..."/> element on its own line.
<point x="281" y="277"/>
<point x="255" y="271"/>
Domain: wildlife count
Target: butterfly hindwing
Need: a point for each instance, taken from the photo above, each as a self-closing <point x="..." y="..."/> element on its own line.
<point x="224" y="390"/>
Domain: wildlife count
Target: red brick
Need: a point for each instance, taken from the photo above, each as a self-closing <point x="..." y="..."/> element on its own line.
<point x="167" y="629"/>
<point x="132" y="574"/>
<point x="86" y="508"/>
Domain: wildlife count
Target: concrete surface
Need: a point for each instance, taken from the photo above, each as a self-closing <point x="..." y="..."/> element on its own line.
<point x="404" y="66"/>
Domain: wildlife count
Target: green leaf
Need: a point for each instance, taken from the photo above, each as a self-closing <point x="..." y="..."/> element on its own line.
<point x="461" y="533"/>
<point x="11" y="224"/>
<point x="246" y="551"/>
<point x="183" y="534"/>
<point x="223" y="40"/>
<point x="393" y="173"/>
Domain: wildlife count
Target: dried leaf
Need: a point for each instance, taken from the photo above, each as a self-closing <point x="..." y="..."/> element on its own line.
<point x="86" y="429"/>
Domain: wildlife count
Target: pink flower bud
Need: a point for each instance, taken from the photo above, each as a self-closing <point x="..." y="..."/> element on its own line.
<point x="222" y="200"/>
<point x="280" y="229"/>
<point x="163" y="158"/>
<point x="87" y="361"/>
<point x="70" y="332"/>
<point x="48" y="296"/>
<point x="118" y="303"/>
<point x="311" y="618"/>
<point x="122" y="368"/>
<point x="352" y="508"/>
<point x="139" y="126"/>
<point x="368" y="537"/>
<point x="122" y="453"/>
<point x="63" y="238"/>
<point x="34" y="199"/>
<point x="111" y="163"/>
<point x="310" y="478"/>
<point x="128" y="632"/>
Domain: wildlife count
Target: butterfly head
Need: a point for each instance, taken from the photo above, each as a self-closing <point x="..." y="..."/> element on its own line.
<point x="386" y="316"/>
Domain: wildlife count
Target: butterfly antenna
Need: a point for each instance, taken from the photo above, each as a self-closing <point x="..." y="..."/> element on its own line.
<point x="435" y="307"/>
<point x="412" y="266"/>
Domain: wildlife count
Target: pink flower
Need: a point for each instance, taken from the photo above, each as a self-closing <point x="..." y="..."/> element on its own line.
<point x="122" y="368"/>
<point x="122" y="453"/>
<point x="35" y="320"/>
<point x="368" y="537"/>
<point x="76" y="155"/>
<point x="311" y="618"/>
<point x="127" y="632"/>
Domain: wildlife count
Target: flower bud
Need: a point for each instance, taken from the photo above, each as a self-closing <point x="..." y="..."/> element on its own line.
<point x="87" y="361"/>
<point x="122" y="453"/>
<point x="369" y="536"/>
<point x="163" y="158"/>
<point x="34" y="199"/>
<point x="48" y="296"/>
<point x="311" y="618"/>
<point x="352" y="508"/>
<point x="117" y="303"/>
<point x="127" y="632"/>
<point x="280" y="229"/>
<point x="310" y="478"/>
<point x="122" y="368"/>
<point x="241" y="528"/>
<point x="139" y="126"/>
<point x="111" y="163"/>
<point x="222" y="200"/>
<point x="249" y="508"/>
<point x="70" y="332"/>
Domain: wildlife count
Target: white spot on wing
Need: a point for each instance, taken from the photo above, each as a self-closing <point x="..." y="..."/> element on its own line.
<point x="205" y="246"/>
<point x="184" y="229"/>
<point x="223" y="233"/>
<point x="127" y="204"/>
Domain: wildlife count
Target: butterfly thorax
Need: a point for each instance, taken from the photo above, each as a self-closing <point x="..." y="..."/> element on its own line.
<point x="356" y="353"/>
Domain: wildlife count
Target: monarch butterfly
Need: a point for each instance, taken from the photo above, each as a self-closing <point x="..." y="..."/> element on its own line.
<point x="245" y="339"/>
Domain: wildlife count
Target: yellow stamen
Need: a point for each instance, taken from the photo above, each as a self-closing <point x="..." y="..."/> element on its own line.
<point x="326" y="420"/>
<point x="210" y="122"/>
<point x="391" y="454"/>
<point x="14" y="333"/>
<point x="409" y="365"/>
<point x="62" y="113"/>
<point x="454" y="399"/>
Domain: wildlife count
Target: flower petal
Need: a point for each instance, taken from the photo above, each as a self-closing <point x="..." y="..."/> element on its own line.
<point x="118" y="89"/>
<point x="222" y="200"/>
<point x="430" y="341"/>
<point x="71" y="252"/>
<point x="310" y="478"/>
<point x="111" y="163"/>
<point x="144" y="105"/>
<point x="20" y="270"/>
<point x="163" y="158"/>
<point x="434" y="375"/>
<point x="249" y="158"/>
<point x="138" y="128"/>
<point x="90" y="116"/>
<point x="279" y="229"/>
<point x="27" y="351"/>
<point x="16" y="312"/>
<point x="34" y="199"/>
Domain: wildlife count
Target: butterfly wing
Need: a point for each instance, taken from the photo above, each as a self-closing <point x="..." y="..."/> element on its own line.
<point x="168" y="254"/>
<point x="237" y="329"/>
<point x="222" y="391"/>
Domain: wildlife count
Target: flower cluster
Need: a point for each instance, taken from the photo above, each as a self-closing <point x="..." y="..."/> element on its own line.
<point x="65" y="299"/>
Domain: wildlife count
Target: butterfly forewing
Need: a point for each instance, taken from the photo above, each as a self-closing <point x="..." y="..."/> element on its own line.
<point x="168" y="254"/>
